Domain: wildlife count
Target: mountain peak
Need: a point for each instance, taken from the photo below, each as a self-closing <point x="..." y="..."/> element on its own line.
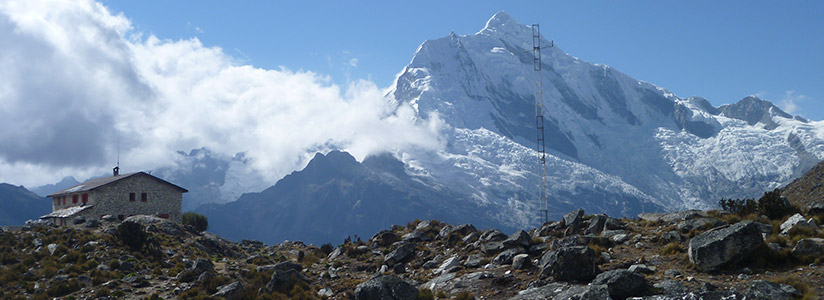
<point x="501" y="21"/>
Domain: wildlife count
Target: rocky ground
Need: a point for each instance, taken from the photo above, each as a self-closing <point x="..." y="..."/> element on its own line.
<point x="682" y="255"/>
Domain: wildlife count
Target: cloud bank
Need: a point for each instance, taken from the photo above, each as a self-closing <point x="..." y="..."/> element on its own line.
<point x="77" y="81"/>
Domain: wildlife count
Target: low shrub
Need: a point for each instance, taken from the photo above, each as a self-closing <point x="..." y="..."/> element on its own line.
<point x="197" y="221"/>
<point x="132" y="234"/>
<point x="672" y="248"/>
<point x="425" y="294"/>
<point x="806" y="292"/>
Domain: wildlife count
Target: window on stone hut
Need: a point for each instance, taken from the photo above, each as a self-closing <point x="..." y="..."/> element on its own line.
<point x="144" y="197"/>
<point x="74" y="199"/>
<point x="84" y="198"/>
<point x="131" y="197"/>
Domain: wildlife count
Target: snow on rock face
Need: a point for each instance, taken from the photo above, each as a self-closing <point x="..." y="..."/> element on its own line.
<point x="642" y="139"/>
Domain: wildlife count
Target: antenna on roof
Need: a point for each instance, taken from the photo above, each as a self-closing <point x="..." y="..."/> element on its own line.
<point x="116" y="169"/>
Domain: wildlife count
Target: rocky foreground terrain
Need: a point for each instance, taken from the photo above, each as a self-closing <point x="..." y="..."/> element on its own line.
<point x="681" y="255"/>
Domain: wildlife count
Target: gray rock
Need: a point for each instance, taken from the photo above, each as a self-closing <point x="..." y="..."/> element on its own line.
<point x="491" y="248"/>
<point x="699" y="224"/>
<point x="424" y="225"/>
<point x="548" y="291"/>
<point x="386" y="287"/>
<point x="642" y="268"/>
<point x="614" y="224"/>
<point x="473" y="261"/>
<point x="440" y="282"/>
<point x="816" y="209"/>
<point x="596" y="224"/>
<point x="797" y="221"/>
<point x="518" y="239"/>
<point x="232" y="291"/>
<point x="93" y="223"/>
<point x="577" y="263"/>
<point x="505" y="258"/>
<point x="52" y="248"/>
<point x="619" y="238"/>
<point x="384" y="238"/>
<point x="671" y="287"/>
<point x="671" y="236"/>
<point x="520" y="261"/>
<point x="574" y="218"/>
<point x="585" y="292"/>
<point x="493" y="235"/>
<point x="672" y="217"/>
<point x="672" y="273"/>
<point x="622" y="283"/>
<point x="448" y="265"/>
<point x="761" y="289"/>
<point x="283" y="281"/>
<point x="725" y="245"/>
<point x="400" y="254"/>
<point x="432" y="263"/>
<point x="203" y="265"/>
<point x="470" y="237"/>
<point x="416" y="236"/>
<point x="162" y="225"/>
<point x="335" y="253"/>
<point x="809" y="248"/>
<point x="37" y="242"/>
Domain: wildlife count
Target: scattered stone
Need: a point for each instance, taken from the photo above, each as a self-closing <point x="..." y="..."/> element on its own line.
<point x="400" y="254"/>
<point x="809" y="248"/>
<point x="596" y="224"/>
<point x="761" y="289"/>
<point x="518" y="239"/>
<point x="725" y="245"/>
<point x="671" y="287"/>
<point x="548" y="291"/>
<point x="232" y="291"/>
<point x="619" y="238"/>
<point x="491" y="248"/>
<point x="586" y="292"/>
<point x="52" y="248"/>
<point x="505" y="258"/>
<point x="614" y="224"/>
<point x="622" y="283"/>
<point x="386" y="287"/>
<point x="520" y="261"/>
<point x="416" y="236"/>
<point x="449" y="265"/>
<point x="671" y="236"/>
<point x="797" y="222"/>
<point x="642" y="268"/>
<point x="384" y="238"/>
<point x="574" y="218"/>
<point x="325" y="292"/>
<point x="37" y="242"/>
<point x="816" y="209"/>
<point x="473" y="261"/>
<point x="493" y="235"/>
<point x="578" y="263"/>
<point x="699" y="224"/>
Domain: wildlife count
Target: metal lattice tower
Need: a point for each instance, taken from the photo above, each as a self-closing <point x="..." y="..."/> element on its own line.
<point x="543" y="188"/>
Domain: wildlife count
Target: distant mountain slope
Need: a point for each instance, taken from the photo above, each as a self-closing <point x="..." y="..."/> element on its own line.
<point x="45" y="190"/>
<point x="17" y="205"/>
<point x="334" y="197"/>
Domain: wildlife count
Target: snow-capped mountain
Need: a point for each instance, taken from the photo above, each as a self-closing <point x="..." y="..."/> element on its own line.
<point x="677" y="152"/>
<point x="617" y="145"/>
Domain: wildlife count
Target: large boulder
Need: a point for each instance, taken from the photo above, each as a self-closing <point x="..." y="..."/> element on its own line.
<point x="576" y="263"/>
<point x="622" y="283"/>
<point x="585" y="292"/>
<point x="386" y="288"/>
<point x="284" y="281"/>
<point x="158" y="224"/>
<point x="384" y="238"/>
<point x="505" y="258"/>
<point x="761" y="289"/>
<point x="725" y="245"/>
<point x="596" y="224"/>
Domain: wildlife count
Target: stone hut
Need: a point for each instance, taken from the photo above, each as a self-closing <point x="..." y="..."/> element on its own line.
<point x="120" y="196"/>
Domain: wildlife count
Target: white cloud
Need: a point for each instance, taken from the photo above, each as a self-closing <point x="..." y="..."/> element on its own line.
<point x="353" y="62"/>
<point x="791" y="102"/>
<point x="76" y="77"/>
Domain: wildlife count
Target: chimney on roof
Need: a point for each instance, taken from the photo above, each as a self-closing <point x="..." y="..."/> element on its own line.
<point x="116" y="171"/>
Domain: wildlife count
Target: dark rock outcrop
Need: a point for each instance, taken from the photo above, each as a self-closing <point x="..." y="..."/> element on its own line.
<point x="577" y="263"/>
<point x="622" y="283"/>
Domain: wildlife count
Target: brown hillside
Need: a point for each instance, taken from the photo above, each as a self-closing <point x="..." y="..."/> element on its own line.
<point x="807" y="189"/>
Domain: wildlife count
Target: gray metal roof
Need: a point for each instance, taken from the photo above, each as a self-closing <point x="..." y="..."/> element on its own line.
<point x="66" y="212"/>
<point x="99" y="182"/>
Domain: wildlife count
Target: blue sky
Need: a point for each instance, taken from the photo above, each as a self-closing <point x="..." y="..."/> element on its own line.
<point x="720" y="50"/>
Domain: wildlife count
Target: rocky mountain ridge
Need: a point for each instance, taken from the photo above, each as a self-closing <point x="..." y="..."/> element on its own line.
<point x="682" y="255"/>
